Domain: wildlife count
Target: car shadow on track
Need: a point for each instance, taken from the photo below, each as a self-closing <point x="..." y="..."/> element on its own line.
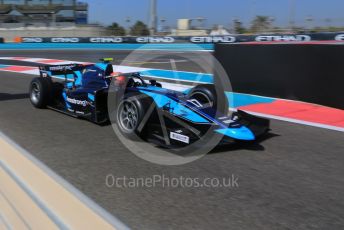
<point x="255" y="145"/>
<point x="8" y="96"/>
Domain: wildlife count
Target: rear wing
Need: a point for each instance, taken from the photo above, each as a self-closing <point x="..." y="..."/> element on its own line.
<point x="52" y="70"/>
<point x="67" y="72"/>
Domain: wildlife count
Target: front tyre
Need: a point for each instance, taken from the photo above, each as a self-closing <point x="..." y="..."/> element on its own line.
<point x="130" y="113"/>
<point x="40" y="92"/>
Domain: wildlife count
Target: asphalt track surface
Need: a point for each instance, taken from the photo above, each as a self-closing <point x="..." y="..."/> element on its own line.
<point x="291" y="180"/>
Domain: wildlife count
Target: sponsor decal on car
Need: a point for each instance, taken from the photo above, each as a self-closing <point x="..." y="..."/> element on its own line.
<point x="179" y="137"/>
<point x="62" y="67"/>
<point x="79" y="112"/>
<point x="77" y="102"/>
<point x="226" y="120"/>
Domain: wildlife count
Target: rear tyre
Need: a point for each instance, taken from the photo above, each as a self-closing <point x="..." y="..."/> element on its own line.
<point x="207" y="95"/>
<point x="40" y="92"/>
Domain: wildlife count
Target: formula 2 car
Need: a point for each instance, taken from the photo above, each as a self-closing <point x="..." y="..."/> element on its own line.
<point x="142" y="108"/>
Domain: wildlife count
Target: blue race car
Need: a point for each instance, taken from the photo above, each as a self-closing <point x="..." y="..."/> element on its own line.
<point x="142" y="108"/>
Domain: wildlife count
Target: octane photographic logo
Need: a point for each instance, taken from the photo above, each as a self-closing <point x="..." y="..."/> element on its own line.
<point x="158" y="105"/>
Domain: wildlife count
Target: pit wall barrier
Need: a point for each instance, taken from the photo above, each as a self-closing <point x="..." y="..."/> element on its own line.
<point x="171" y="43"/>
<point x="309" y="72"/>
<point x="187" y="39"/>
<point x="107" y="46"/>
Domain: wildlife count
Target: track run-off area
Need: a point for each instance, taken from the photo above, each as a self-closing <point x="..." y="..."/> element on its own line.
<point x="292" y="179"/>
